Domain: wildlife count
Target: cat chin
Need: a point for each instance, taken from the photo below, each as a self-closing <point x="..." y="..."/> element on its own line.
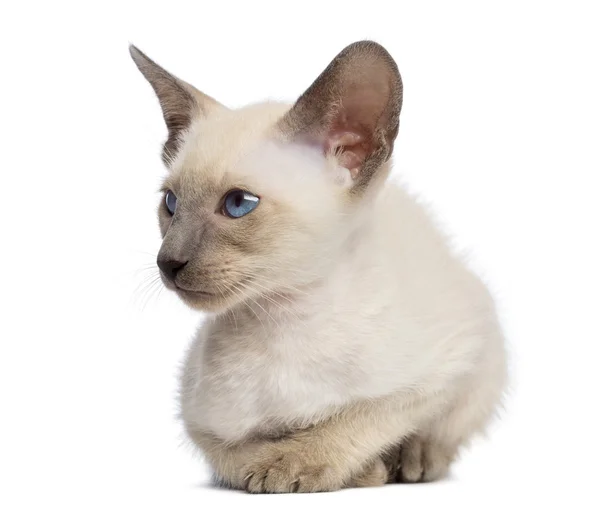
<point x="204" y="302"/>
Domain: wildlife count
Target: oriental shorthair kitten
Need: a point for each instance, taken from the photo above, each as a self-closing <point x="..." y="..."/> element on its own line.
<point x="344" y="343"/>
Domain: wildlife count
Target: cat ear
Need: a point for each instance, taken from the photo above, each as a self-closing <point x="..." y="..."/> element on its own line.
<point x="181" y="102"/>
<point x="351" y="110"/>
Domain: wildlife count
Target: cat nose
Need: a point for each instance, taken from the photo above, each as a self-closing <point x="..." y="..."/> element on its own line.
<point x="170" y="267"/>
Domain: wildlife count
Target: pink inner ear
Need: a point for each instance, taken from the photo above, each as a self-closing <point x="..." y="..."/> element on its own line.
<point x="350" y="147"/>
<point x="351" y="129"/>
<point x="351" y="110"/>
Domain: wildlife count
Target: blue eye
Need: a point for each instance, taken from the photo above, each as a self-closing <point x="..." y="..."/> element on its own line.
<point x="239" y="203"/>
<point x="171" y="202"/>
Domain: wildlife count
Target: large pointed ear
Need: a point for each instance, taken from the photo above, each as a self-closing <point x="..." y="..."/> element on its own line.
<point x="181" y="102"/>
<point x="351" y="110"/>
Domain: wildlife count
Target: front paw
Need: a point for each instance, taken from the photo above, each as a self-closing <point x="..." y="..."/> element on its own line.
<point x="421" y="460"/>
<point x="286" y="472"/>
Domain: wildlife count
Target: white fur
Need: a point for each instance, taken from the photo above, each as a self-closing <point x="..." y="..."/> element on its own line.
<point x="342" y="322"/>
<point x="396" y="312"/>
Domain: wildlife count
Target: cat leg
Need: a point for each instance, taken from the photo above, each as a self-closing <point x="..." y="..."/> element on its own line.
<point x="427" y="454"/>
<point x="224" y="459"/>
<point x="328" y="456"/>
<point x="373" y="474"/>
<point x="424" y="459"/>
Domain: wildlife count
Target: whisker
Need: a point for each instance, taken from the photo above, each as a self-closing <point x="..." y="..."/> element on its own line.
<point x="251" y="309"/>
<point x="259" y="305"/>
<point x="155" y="286"/>
<point x="274" y="302"/>
<point x="253" y="275"/>
<point x="229" y="311"/>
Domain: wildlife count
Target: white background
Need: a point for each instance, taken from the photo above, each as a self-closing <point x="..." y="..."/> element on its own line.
<point x="500" y="131"/>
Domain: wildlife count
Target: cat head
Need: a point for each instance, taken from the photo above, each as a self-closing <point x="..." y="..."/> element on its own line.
<point x="262" y="200"/>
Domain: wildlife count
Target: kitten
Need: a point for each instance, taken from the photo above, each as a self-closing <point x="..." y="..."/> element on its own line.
<point x="346" y="345"/>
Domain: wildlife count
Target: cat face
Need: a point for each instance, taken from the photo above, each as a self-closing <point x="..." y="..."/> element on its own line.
<point x="252" y="215"/>
<point x="260" y="200"/>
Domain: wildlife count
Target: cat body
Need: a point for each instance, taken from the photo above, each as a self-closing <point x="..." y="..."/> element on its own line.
<point x="345" y="344"/>
<point x="396" y="316"/>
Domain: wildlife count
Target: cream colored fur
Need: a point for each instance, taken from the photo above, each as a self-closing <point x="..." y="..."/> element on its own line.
<point x="363" y="350"/>
<point x="396" y="337"/>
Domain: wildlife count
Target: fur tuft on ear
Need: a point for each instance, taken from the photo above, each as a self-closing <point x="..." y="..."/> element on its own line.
<point x="351" y="110"/>
<point x="181" y="102"/>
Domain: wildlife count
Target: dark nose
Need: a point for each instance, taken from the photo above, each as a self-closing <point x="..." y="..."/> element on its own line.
<point x="170" y="267"/>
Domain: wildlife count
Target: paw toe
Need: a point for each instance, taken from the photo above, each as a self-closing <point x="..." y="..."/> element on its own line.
<point x="422" y="461"/>
<point x="287" y="474"/>
<point x="373" y="475"/>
